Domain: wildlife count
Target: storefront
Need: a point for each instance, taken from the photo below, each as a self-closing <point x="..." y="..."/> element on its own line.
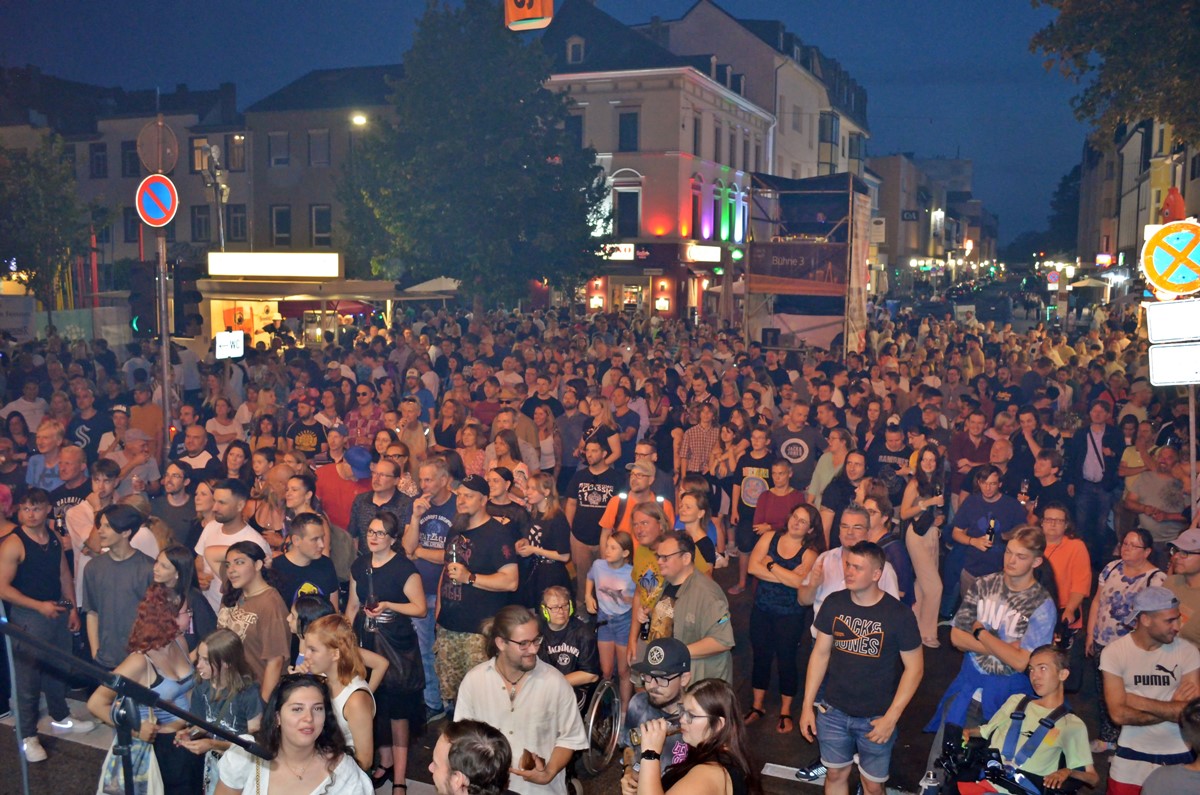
<point x="663" y="279"/>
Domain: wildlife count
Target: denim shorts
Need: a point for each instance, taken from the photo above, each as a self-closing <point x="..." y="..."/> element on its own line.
<point x="614" y="629"/>
<point x="842" y="736"/>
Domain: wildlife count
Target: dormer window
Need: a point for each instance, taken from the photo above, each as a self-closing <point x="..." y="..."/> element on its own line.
<point x="575" y="49"/>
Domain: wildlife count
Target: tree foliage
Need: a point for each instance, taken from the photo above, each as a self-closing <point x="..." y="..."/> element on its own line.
<point x="42" y="222"/>
<point x="1135" y="59"/>
<point x="477" y="179"/>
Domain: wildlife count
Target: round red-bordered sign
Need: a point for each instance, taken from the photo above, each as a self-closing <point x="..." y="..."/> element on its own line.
<point x="157" y="200"/>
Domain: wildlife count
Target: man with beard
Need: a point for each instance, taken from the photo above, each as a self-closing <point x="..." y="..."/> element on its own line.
<point x="799" y="443"/>
<point x="666" y="673"/>
<point x="841" y="492"/>
<point x="227" y="528"/>
<point x="306" y="434"/>
<point x="529" y="701"/>
<point x="571" y="424"/>
<point x="887" y="461"/>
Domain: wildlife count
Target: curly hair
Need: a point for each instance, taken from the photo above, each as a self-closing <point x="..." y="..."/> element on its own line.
<point x="155" y="625"/>
<point x="330" y="742"/>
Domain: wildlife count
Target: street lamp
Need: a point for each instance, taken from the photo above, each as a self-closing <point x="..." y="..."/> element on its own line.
<point x="358" y="119"/>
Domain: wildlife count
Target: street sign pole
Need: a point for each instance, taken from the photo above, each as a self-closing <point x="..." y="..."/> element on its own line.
<point x="165" y="339"/>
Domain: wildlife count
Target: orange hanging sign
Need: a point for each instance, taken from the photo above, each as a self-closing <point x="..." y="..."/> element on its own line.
<point x="528" y="14"/>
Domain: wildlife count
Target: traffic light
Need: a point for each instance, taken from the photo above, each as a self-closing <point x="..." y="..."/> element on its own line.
<point x="186" y="294"/>
<point x="143" y="298"/>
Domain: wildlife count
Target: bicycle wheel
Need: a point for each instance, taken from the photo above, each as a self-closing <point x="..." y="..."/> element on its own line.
<point x="602" y="720"/>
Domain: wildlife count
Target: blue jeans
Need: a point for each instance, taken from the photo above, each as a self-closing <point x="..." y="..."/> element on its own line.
<point x="842" y="736"/>
<point x="1092" y="505"/>
<point x="425" y="635"/>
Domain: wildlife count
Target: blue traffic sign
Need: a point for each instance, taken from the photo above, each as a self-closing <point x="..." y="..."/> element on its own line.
<point x="157" y="201"/>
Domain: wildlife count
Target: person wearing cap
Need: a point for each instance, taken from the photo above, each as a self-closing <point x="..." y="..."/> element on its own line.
<point x="88" y="424"/>
<point x="1140" y="395"/>
<point x="1093" y="459"/>
<point x="666" y="672"/>
<point x="341" y="482"/>
<point x="114" y="440"/>
<point x="306" y="434"/>
<point x="1149" y="677"/>
<point x="618" y="513"/>
<point x="1184" y="582"/>
<point x="479" y="578"/>
<point x="139" y="469"/>
<point x="415" y="388"/>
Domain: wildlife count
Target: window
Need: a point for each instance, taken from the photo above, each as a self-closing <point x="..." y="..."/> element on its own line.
<point x="198" y="162"/>
<point x="278" y="151"/>
<point x="104" y="235"/>
<point x="628" y="206"/>
<point x="697" y="232"/>
<point x="573" y="128"/>
<point x="68" y="156"/>
<point x="235" y="152"/>
<point x="131" y="166"/>
<point x="797" y="117"/>
<point x="758" y="154"/>
<point x="858" y="146"/>
<point x="321" y="223"/>
<point x="318" y="147"/>
<point x="697" y="120"/>
<point x="281" y="225"/>
<point x="201" y="224"/>
<point x="627" y="131"/>
<point x="98" y="161"/>
<point x="717" y="140"/>
<point x="131" y="224"/>
<point x="1195" y="168"/>
<point x="575" y="50"/>
<point x="830" y="128"/>
<point x="235" y="223"/>
<point x="719" y="230"/>
<point x="732" y="146"/>
<point x="746" y="153"/>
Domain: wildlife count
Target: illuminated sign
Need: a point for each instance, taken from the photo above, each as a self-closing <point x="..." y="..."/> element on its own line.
<point x="1104" y="260"/>
<point x="274" y="265"/>
<point x="697" y="252"/>
<point x="229" y="345"/>
<point x="617" y="251"/>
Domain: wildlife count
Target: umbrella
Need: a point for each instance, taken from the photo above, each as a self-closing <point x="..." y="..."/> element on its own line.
<point x="1090" y="282"/>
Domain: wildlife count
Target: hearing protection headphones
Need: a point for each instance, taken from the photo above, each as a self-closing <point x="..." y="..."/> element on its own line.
<point x="570" y="610"/>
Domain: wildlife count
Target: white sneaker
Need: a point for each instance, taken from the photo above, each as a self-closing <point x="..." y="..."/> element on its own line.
<point x="69" y="725"/>
<point x="34" y="752"/>
<point x="722" y="562"/>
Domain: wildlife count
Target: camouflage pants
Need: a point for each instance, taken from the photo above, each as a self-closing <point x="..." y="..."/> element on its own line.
<point x="455" y="653"/>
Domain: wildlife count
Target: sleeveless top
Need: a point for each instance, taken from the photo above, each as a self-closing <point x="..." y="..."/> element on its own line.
<point x="38" y="575"/>
<point x="339" y="704"/>
<point x="775" y="597"/>
<point x="174" y="691"/>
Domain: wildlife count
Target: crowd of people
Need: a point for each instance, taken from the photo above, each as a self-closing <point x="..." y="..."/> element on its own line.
<point x="469" y="522"/>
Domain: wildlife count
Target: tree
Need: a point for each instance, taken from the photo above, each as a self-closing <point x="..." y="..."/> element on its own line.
<point x="477" y="178"/>
<point x="42" y="222"/>
<point x="1141" y="60"/>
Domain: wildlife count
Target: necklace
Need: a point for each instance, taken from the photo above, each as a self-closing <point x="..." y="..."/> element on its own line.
<point x="299" y="776"/>
<point x="511" y="686"/>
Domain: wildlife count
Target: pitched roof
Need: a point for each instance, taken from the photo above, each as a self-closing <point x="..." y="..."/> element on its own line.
<point x="609" y="45"/>
<point x="334" y="88"/>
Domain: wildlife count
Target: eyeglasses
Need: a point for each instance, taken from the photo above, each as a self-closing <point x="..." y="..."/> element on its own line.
<point x="1174" y="550"/>
<point x="556" y="608"/>
<point x="668" y="556"/>
<point x="688" y="717"/>
<point x="1127" y="545"/>
<point x="662" y="681"/>
<point x="525" y="645"/>
<point x="378" y="534"/>
<point x="363" y="394"/>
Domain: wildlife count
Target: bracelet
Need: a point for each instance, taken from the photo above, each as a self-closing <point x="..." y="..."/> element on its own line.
<point x="650" y="756"/>
<point x="975" y="634"/>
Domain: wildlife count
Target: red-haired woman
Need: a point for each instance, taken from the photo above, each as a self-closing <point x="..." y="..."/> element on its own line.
<point x="331" y="650"/>
<point x="159" y="660"/>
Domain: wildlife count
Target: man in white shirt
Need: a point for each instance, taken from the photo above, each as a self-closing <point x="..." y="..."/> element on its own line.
<point x="32" y="407"/>
<point x="528" y="700"/>
<point x="827" y="574"/>
<point x="226" y="529"/>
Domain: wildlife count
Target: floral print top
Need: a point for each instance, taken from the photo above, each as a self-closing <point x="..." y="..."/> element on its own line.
<point x="1114" y="595"/>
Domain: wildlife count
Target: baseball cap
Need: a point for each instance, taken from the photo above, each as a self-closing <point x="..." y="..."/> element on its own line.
<point x="1153" y="599"/>
<point x="642" y="467"/>
<point x="359" y="459"/>
<point x="340" y="429"/>
<point x="121" y="407"/>
<point x="477" y="484"/>
<point x="137" y="435"/>
<point x="665" y="656"/>
<point x="1188" y="541"/>
<point x="412" y="373"/>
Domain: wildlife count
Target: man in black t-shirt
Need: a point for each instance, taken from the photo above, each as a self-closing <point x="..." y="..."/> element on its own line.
<point x="752" y="478"/>
<point x="587" y="497"/>
<point x="304" y="570"/>
<point x="306" y="435"/>
<point x="863" y="638"/>
<point x="480" y="578"/>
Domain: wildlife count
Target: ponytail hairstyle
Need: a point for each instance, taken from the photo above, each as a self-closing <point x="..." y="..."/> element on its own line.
<point x="503" y="623"/>
<point x="255" y="553"/>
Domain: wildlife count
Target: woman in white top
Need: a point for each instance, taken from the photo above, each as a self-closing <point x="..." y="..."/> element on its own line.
<point x="223" y="427"/>
<point x="308" y="750"/>
<point x="331" y="650"/>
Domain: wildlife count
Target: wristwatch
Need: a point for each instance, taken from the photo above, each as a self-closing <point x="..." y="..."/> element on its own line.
<point x="471" y="579"/>
<point x="650" y="755"/>
<point x="770" y="565"/>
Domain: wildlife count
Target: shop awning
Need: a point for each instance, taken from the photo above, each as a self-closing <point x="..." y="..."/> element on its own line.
<point x="342" y="307"/>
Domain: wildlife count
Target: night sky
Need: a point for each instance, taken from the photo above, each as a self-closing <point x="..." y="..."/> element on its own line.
<point x="943" y="78"/>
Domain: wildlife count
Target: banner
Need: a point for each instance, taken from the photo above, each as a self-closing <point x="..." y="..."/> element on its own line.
<point x="856" y="295"/>
<point x="799" y="268"/>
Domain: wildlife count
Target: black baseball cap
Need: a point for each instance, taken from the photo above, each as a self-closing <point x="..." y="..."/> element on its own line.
<point x="665" y="657"/>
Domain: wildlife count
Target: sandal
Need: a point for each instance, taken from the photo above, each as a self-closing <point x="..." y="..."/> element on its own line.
<point x="786" y="724"/>
<point x="735" y="590"/>
<point x="399" y="786"/>
<point x="752" y="716"/>
<point x="380" y="775"/>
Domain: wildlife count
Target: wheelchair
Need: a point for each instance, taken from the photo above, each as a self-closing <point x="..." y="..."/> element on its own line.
<point x="603" y="718"/>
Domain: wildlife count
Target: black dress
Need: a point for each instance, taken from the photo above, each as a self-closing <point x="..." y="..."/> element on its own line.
<point x="392" y="636"/>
